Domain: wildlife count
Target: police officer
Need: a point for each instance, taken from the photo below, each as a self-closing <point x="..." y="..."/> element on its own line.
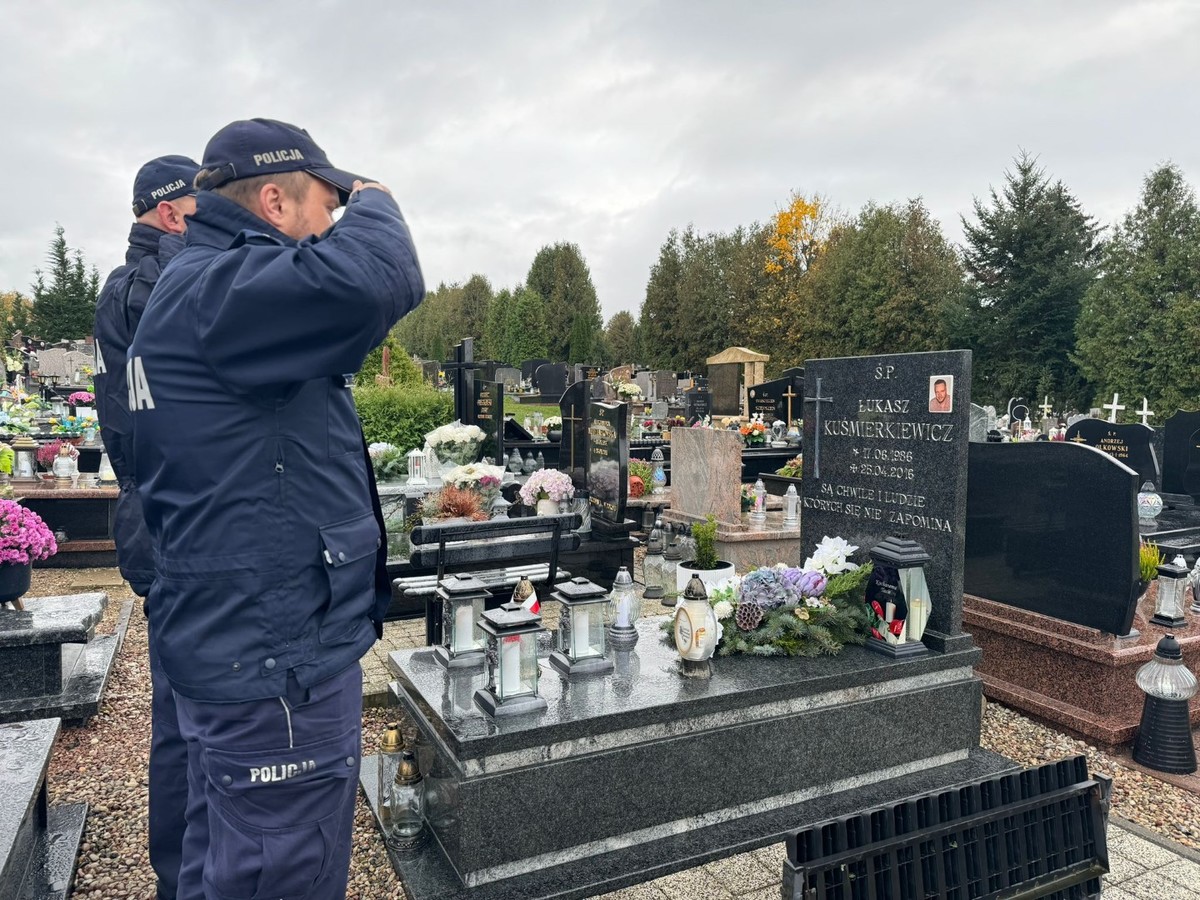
<point x="163" y="194"/>
<point x="258" y="494"/>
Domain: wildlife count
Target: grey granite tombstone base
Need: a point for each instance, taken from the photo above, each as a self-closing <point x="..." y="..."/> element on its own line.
<point x="39" y="843"/>
<point x="633" y="775"/>
<point x="85" y="669"/>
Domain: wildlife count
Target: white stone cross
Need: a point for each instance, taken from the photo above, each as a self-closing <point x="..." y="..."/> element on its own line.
<point x="1144" y="412"/>
<point x="1114" y="406"/>
<point x="1046" y="407"/>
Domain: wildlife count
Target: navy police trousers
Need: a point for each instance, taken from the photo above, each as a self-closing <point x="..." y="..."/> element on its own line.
<point x="271" y="792"/>
<point x="168" y="791"/>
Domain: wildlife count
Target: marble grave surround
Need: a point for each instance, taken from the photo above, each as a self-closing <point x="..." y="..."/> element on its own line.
<point x="706" y="472"/>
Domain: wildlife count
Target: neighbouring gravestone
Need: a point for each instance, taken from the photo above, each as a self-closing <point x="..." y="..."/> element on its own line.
<point x="706" y="474"/>
<point x="489" y="415"/>
<point x="608" y="464"/>
<point x="602" y="389"/>
<point x="509" y="377"/>
<point x="725" y="388"/>
<point x="429" y="371"/>
<point x="529" y="370"/>
<point x="1061" y="542"/>
<point x="574" y="407"/>
<point x="461" y="372"/>
<point x="1018" y="410"/>
<point x="794" y="372"/>
<point x="979" y="424"/>
<point x="666" y="385"/>
<point x="645" y="381"/>
<point x="697" y="404"/>
<point x="1181" y="454"/>
<point x="777" y="400"/>
<point x="659" y="410"/>
<point x="488" y="369"/>
<point x="1130" y="444"/>
<point x="585" y="372"/>
<point x="879" y="463"/>
<point x="552" y="380"/>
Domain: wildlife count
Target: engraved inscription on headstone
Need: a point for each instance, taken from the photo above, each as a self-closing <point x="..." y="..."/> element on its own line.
<point x="608" y="461"/>
<point x="1131" y="444"/>
<point x="887" y="465"/>
<point x="775" y="400"/>
<point x="697" y="405"/>
<point x="489" y="415"/>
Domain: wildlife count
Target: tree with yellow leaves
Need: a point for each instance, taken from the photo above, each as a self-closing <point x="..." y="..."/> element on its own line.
<point x="797" y="234"/>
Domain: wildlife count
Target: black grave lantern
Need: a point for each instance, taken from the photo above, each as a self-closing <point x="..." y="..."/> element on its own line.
<point x="898" y="598"/>
<point x="512" y="662"/>
<point x="463" y="597"/>
<point x="1168" y="604"/>
<point x="582" y="636"/>
<point x="1164" y="738"/>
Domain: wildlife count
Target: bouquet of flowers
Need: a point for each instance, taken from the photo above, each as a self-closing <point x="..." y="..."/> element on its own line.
<point x="388" y="461"/>
<point x="627" y="390"/>
<point x="478" y="477"/>
<point x="552" y="422"/>
<point x="455" y="444"/>
<point x="73" y="425"/>
<point x="547" y="484"/>
<point x="81" y="398"/>
<point x="24" y="537"/>
<point x="47" y="453"/>
<point x="754" y="434"/>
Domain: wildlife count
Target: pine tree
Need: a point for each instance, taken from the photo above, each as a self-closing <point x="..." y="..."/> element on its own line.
<point x="560" y="276"/>
<point x="66" y="308"/>
<point x="620" y="338"/>
<point x="1145" y="307"/>
<point x="1031" y="256"/>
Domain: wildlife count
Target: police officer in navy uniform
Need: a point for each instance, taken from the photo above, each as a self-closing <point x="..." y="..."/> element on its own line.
<point x="257" y="492"/>
<point x="163" y="195"/>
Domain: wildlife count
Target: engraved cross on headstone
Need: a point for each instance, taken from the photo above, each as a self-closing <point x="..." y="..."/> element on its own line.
<point x="568" y="428"/>
<point x="791" y="395"/>
<point x="1114" y="406"/>
<point x="817" y="400"/>
<point x="1145" y="412"/>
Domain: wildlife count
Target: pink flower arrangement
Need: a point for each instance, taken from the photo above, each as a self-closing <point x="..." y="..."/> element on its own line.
<point x="47" y="453"/>
<point x="24" y="537"/>
<point x="81" y="398"/>
<point x="547" y="484"/>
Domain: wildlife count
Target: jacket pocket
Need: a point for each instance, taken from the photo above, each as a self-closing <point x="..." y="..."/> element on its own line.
<point x="349" y="551"/>
<point x="281" y="814"/>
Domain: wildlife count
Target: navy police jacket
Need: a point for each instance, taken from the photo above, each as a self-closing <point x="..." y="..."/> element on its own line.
<point x="249" y="453"/>
<point x="119" y="308"/>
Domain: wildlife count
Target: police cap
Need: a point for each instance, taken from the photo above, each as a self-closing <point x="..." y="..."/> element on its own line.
<point x="252" y="147"/>
<point x="165" y="178"/>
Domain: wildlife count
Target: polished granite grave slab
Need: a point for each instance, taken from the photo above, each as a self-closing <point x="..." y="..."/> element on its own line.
<point x="644" y="767"/>
<point x="51" y="664"/>
<point x="38" y="843"/>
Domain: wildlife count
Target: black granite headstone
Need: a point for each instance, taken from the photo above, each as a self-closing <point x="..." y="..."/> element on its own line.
<point x="776" y="400"/>
<point x="529" y="370"/>
<point x="488" y="369"/>
<point x="882" y="464"/>
<point x="1181" y="453"/>
<point x="551" y="379"/>
<point x="585" y="372"/>
<point x="725" y="386"/>
<point x="608" y="461"/>
<point x="697" y="405"/>
<point x="1063" y="543"/>
<point x="461" y="372"/>
<point x="574" y="407"/>
<point x="1131" y="444"/>
<point x="489" y="415"/>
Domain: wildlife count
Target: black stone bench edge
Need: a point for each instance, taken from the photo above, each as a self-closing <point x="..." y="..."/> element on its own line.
<point x="432" y="534"/>
<point x="54" y="861"/>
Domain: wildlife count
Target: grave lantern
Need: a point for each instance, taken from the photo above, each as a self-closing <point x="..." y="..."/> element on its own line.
<point x="407" y="804"/>
<point x="791" y="507"/>
<point x="582" y="507"/>
<point x="416" y="467"/>
<point x="512" y="662"/>
<point x="582" y="641"/>
<point x="25" y="451"/>
<point x="65" y="467"/>
<point x="653" y="565"/>
<point x="898" y="598"/>
<point x="1168" y="605"/>
<point x="387" y="762"/>
<point x="500" y="507"/>
<point x="514" y="462"/>
<point x="659" y="478"/>
<point x="696" y="629"/>
<point x="463" y="597"/>
<point x="1149" y="503"/>
<point x="671" y="558"/>
<point x="624" y="608"/>
<point x="1164" y="738"/>
<point x="758" y="515"/>
<point x="106" y="474"/>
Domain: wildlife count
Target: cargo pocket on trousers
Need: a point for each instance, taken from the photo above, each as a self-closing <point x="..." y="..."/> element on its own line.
<point x="277" y="817"/>
<point x="349" y="552"/>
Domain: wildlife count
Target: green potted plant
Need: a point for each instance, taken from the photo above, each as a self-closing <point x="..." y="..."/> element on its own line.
<point x="1149" y="559"/>
<point x="704" y="564"/>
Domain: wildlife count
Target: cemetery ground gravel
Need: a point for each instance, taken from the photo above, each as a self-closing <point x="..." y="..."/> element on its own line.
<point x="104" y="764"/>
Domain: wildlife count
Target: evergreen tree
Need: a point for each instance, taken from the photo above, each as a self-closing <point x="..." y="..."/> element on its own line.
<point x="1031" y="255"/>
<point x="620" y="338"/>
<point x="560" y="276"/>
<point x="1147" y="301"/>
<point x="528" y="329"/>
<point x="660" y="308"/>
<point x="476" y="297"/>
<point x="66" y="308"/>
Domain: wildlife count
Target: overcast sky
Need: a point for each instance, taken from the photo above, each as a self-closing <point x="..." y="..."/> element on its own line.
<point x="502" y="127"/>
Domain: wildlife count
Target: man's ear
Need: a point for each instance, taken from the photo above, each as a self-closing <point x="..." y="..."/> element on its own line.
<point x="170" y="218"/>
<point x="272" y="204"/>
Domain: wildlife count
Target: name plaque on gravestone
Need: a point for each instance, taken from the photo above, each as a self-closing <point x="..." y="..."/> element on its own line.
<point x="697" y="405"/>
<point x="608" y="461"/>
<point x="1131" y="444"/>
<point x="725" y="388"/>
<point x="489" y="415"/>
<point x="889" y="439"/>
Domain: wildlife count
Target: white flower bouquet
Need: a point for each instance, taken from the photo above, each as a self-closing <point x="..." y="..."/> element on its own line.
<point x="628" y="389"/>
<point x="478" y="477"/>
<point x="552" y="422"/>
<point x="455" y="444"/>
<point x="547" y="484"/>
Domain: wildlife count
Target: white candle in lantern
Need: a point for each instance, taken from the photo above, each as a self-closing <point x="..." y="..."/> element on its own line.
<point x="624" y="611"/>
<point x="510" y="666"/>
<point x="579" y="632"/>
<point x="464" y="629"/>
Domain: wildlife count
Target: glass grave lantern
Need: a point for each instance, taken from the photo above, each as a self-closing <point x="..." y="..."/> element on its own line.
<point x="671" y="559"/>
<point x="898" y="599"/>
<point x="758" y="515"/>
<point x="659" y="477"/>
<point x="624" y="609"/>
<point x="1164" y="738"/>
<point x="387" y="762"/>
<point x="463" y="597"/>
<point x="582" y="507"/>
<point x="65" y="467"/>
<point x="407" y="804"/>
<point x="653" y="566"/>
<point x="106" y="474"/>
<point x="1168" y="605"/>
<point x="25" y="451"/>
<point x="791" y="508"/>
<point x="696" y="629"/>
<point x="416" y="467"/>
<point x="514" y="461"/>
<point x="512" y="662"/>
<point x="1149" y="503"/>
<point x="582" y="647"/>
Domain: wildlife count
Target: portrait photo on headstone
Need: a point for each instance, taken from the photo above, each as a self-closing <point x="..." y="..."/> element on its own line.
<point x="941" y="393"/>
